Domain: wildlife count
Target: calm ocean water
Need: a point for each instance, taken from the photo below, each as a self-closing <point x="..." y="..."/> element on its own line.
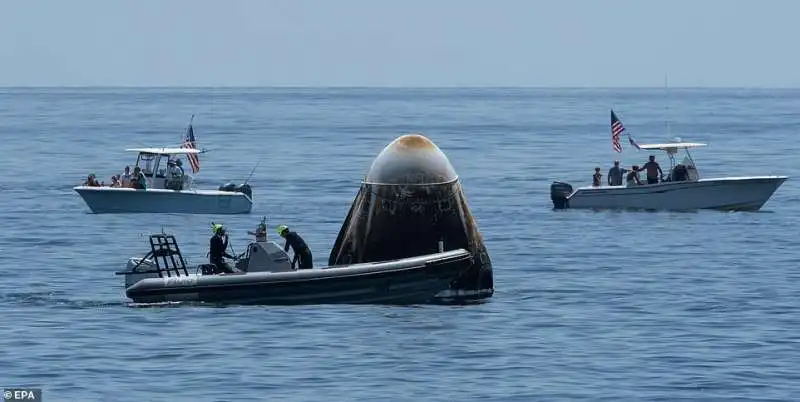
<point x="588" y="305"/>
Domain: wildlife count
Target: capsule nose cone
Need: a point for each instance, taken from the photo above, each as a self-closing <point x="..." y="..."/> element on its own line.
<point x="411" y="159"/>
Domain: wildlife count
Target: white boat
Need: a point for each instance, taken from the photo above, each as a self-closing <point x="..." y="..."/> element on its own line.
<point x="682" y="189"/>
<point x="169" y="189"/>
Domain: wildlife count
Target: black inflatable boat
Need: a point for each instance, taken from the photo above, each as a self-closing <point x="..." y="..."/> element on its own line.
<point x="267" y="277"/>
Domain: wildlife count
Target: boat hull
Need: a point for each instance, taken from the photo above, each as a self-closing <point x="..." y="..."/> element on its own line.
<point x="128" y="200"/>
<point x="408" y="281"/>
<point x="730" y="194"/>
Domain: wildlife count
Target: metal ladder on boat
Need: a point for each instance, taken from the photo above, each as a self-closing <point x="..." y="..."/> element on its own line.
<point x="167" y="256"/>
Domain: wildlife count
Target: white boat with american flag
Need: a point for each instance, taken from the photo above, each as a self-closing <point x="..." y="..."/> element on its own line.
<point x="159" y="184"/>
<point x="680" y="188"/>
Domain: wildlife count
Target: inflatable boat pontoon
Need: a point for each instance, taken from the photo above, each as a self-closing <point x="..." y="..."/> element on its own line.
<point x="268" y="277"/>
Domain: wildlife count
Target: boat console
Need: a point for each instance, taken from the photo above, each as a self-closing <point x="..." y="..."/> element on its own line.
<point x="264" y="256"/>
<point x="164" y="170"/>
<point x="164" y="260"/>
<point x="170" y="177"/>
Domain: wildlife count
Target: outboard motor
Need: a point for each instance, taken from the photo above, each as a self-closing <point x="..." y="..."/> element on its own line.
<point x="245" y="188"/>
<point x="242" y="188"/>
<point x="227" y="187"/>
<point x="559" y="191"/>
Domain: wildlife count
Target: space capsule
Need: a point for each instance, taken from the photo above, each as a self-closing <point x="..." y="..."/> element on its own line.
<point x="411" y="203"/>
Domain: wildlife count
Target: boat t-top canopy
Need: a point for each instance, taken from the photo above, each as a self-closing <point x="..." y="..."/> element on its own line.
<point x="165" y="151"/>
<point x="672" y="147"/>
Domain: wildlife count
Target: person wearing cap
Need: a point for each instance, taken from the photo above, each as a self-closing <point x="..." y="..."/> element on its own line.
<point x="175" y="168"/>
<point x="174" y="175"/>
<point x="299" y="246"/>
<point x="217" y="250"/>
<point x="615" y="174"/>
<point x="91" y="181"/>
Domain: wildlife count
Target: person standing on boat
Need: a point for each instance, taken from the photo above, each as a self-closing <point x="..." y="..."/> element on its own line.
<point x="299" y="246"/>
<point x="217" y="250"/>
<point x="653" y="170"/>
<point x="596" y="177"/>
<point x="633" y="176"/>
<point x="615" y="175"/>
<point x="174" y="175"/>
<point x="125" y="178"/>
<point x="178" y="169"/>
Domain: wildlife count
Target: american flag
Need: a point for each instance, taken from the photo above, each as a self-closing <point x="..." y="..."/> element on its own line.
<point x="189" y="142"/>
<point x="616" y="130"/>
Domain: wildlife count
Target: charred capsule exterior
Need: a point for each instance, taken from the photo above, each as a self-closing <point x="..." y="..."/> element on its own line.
<point x="409" y="204"/>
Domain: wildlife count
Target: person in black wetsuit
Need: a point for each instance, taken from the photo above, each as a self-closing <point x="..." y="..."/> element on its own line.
<point x="299" y="246"/>
<point x="218" y="249"/>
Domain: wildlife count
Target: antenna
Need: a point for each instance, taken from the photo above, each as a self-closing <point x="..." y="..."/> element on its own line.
<point x="666" y="107"/>
<point x="253" y="171"/>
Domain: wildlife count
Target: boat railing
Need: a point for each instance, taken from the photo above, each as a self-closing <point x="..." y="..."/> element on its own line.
<point x="166" y="254"/>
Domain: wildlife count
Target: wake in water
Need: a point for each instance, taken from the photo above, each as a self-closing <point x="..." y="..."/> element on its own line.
<point x="50" y="299"/>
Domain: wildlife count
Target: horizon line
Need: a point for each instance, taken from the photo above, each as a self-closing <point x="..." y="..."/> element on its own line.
<point x="568" y="87"/>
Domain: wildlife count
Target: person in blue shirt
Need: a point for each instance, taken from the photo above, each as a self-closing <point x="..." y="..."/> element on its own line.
<point x="615" y="174"/>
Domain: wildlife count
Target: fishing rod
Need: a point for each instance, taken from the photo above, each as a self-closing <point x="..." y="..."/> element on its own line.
<point x="253" y="171"/>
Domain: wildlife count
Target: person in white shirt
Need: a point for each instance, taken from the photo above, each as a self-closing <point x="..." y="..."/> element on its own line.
<point x="125" y="178"/>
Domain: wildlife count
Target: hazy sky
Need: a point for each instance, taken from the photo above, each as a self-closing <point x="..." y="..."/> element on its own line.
<point x="400" y="42"/>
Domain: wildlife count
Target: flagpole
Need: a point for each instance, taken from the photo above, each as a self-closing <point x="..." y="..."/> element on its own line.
<point x="183" y="136"/>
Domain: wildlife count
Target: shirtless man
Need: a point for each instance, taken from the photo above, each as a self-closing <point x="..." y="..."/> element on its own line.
<point x="653" y="170"/>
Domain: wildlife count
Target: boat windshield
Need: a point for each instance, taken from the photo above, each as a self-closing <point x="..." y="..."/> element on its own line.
<point x="146" y="162"/>
<point x="686" y="169"/>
